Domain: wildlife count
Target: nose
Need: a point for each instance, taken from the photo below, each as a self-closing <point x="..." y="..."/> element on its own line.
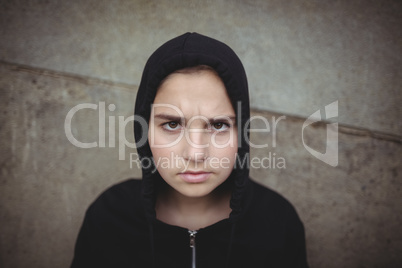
<point x="196" y="145"/>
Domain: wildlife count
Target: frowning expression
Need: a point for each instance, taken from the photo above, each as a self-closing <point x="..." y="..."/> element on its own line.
<point x="192" y="132"/>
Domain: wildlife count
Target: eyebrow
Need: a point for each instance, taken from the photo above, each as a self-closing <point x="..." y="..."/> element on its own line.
<point x="169" y="117"/>
<point x="215" y="119"/>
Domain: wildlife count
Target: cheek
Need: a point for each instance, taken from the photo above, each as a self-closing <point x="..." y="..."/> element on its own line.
<point x="162" y="146"/>
<point x="227" y="153"/>
<point x="159" y="152"/>
<point x="224" y="139"/>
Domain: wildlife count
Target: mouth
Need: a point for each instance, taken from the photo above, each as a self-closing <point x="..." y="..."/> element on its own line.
<point x="195" y="176"/>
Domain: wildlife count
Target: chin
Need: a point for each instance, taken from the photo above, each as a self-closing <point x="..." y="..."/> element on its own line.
<point x="195" y="191"/>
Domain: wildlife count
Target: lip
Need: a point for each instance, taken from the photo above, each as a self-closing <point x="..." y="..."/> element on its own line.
<point x="195" y="176"/>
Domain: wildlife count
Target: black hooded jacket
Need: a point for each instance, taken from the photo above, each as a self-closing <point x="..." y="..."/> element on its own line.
<point x="120" y="228"/>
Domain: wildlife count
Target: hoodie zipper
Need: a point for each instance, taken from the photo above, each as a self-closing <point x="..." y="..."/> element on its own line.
<point x="192" y="246"/>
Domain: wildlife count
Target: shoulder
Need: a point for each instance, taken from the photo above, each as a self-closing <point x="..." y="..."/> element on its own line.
<point x="273" y="227"/>
<point x="270" y="205"/>
<point x="114" y="226"/>
<point x="121" y="198"/>
<point x="266" y="196"/>
<point x="125" y="189"/>
<point x="272" y="230"/>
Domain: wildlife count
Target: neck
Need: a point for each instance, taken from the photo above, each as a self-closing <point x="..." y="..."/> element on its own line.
<point x="194" y="205"/>
<point x="193" y="212"/>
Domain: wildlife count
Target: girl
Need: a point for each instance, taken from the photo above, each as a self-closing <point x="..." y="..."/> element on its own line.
<point x="195" y="205"/>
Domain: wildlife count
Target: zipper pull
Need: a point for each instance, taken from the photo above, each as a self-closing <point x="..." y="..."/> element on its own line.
<point x="192" y="238"/>
<point x="192" y="246"/>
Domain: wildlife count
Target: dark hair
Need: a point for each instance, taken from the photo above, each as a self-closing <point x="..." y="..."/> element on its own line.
<point x="195" y="69"/>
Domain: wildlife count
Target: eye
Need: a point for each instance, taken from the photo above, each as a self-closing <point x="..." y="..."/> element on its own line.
<point x="220" y="126"/>
<point x="171" y="126"/>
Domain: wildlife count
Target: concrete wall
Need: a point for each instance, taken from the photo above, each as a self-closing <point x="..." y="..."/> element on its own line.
<point x="300" y="56"/>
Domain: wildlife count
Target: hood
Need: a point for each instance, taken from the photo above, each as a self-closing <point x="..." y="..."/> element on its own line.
<point x="187" y="50"/>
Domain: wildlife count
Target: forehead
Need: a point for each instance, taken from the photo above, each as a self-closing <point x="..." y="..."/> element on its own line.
<point x="197" y="93"/>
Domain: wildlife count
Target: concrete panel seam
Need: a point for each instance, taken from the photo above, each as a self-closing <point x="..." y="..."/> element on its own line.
<point x="70" y="76"/>
<point x="342" y="128"/>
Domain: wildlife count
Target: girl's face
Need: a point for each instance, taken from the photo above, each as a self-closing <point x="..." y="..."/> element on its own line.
<point x="192" y="132"/>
